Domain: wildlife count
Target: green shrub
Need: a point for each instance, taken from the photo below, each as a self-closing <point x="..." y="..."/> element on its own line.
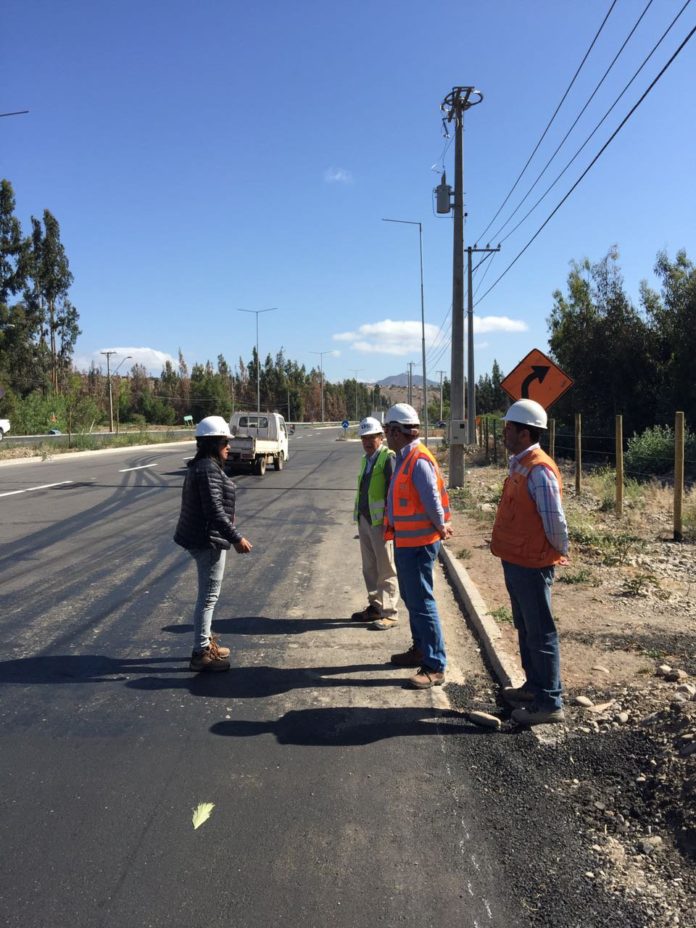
<point x="652" y="453"/>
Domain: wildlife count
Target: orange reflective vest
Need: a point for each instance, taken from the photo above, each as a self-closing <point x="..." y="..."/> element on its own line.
<point x="518" y="532"/>
<point x="412" y="526"/>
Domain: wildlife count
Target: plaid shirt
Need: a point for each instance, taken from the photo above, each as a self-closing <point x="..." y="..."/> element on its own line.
<point x="544" y="490"/>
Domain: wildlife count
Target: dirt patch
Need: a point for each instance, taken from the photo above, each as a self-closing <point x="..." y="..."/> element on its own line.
<point x="626" y="613"/>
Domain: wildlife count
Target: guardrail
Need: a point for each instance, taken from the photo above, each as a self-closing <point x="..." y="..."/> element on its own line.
<point x="13" y="441"/>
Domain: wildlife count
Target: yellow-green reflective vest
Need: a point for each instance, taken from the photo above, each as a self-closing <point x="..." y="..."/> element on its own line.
<point x="377" y="488"/>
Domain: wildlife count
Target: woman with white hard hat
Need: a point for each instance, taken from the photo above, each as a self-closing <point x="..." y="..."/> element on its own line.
<point x="206" y="529"/>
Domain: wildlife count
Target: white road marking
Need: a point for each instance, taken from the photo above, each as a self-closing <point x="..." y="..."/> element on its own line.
<point x="45" y="486"/>
<point x="139" y="467"/>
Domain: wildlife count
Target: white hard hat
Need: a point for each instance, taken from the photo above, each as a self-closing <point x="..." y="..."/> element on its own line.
<point x="403" y="414"/>
<point x="370" y="426"/>
<point x="213" y="427"/>
<point x="527" y="412"/>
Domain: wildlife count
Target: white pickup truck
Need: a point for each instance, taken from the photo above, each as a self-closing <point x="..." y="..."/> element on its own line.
<point x="258" y="439"/>
<point x="4" y="427"/>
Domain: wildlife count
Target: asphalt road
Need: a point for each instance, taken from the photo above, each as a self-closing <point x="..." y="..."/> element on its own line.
<point x="341" y="797"/>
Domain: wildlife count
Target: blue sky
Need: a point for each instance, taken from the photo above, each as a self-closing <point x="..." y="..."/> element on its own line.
<point x="206" y="157"/>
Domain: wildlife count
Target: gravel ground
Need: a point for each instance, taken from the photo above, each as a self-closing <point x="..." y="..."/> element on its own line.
<point x="612" y="792"/>
<point x="600" y="803"/>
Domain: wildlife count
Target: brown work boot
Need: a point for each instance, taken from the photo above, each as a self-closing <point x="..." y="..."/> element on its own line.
<point x="217" y="649"/>
<point x="427" y="678"/>
<point x="410" y="658"/>
<point x="366" y="615"/>
<point x="207" y="660"/>
<point x="385" y="622"/>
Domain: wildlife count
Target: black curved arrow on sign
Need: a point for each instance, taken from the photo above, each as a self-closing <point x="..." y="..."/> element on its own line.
<point x="539" y="371"/>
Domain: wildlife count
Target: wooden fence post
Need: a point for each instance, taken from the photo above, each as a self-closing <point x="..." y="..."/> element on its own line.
<point x="485" y="439"/>
<point x="495" y="441"/>
<point x="619" y="467"/>
<point x="578" y="453"/>
<point x="678" y="474"/>
<point x="552" y="438"/>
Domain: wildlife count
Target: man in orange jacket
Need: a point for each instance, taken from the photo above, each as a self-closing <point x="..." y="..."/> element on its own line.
<point x="418" y="519"/>
<point x="530" y="536"/>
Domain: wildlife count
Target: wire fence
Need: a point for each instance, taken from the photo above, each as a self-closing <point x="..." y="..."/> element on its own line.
<point x="664" y="454"/>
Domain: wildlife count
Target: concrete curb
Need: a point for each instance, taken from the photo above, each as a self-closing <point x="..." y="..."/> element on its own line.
<point x="504" y="665"/>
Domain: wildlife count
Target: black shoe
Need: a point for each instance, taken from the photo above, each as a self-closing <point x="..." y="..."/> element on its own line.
<point x="367" y="615"/>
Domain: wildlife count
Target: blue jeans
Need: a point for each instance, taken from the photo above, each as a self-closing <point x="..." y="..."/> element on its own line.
<point x="211" y="566"/>
<point x="414" y="569"/>
<point x="530" y="596"/>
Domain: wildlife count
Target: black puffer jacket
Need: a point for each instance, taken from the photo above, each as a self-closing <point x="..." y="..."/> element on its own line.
<point x="207" y="507"/>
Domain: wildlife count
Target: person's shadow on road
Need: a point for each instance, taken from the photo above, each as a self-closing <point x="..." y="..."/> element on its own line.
<point x="82" y="668"/>
<point x="263" y="625"/>
<point x="342" y="727"/>
<point x="259" y="682"/>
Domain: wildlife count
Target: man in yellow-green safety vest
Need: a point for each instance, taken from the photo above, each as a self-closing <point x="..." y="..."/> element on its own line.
<point x="377" y="554"/>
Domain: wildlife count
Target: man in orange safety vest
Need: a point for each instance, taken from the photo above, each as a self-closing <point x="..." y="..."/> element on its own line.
<point x="418" y="518"/>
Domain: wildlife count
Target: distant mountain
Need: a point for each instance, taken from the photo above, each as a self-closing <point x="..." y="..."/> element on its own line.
<point x="401" y="380"/>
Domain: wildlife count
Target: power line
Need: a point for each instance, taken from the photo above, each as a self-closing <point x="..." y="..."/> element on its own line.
<point x="568" y="164"/>
<point x="434" y="346"/>
<point x="543" y="135"/>
<point x="592" y="163"/>
<point x="577" y="118"/>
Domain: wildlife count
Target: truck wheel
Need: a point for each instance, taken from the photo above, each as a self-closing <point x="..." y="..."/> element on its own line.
<point x="260" y="466"/>
<point x="278" y="461"/>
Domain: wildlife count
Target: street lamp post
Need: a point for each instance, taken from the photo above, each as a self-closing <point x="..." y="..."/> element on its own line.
<point x="409" y="222"/>
<point x="321" y="376"/>
<point x="257" y="312"/>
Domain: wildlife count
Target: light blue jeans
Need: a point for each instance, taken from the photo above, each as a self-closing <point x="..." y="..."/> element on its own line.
<point x="530" y="597"/>
<point x="210" y="563"/>
<point x="414" y="569"/>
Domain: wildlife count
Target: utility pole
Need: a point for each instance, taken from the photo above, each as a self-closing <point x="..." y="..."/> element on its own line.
<point x="108" y="380"/>
<point x="355" y="371"/>
<point x="410" y="382"/>
<point x="471" y="394"/>
<point x="454" y="106"/>
<point x="441" y="374"/>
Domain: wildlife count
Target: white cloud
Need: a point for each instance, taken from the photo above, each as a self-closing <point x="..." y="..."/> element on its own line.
<point x="404" y="337"/>
<point x="337" y="176"/>
<point x="149" y="358"/>
<point x="498" y="324"/>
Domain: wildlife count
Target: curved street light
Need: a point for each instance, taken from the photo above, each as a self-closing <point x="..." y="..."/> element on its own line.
<point x="410" y="222"/>
<point x="258" y="359"/>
